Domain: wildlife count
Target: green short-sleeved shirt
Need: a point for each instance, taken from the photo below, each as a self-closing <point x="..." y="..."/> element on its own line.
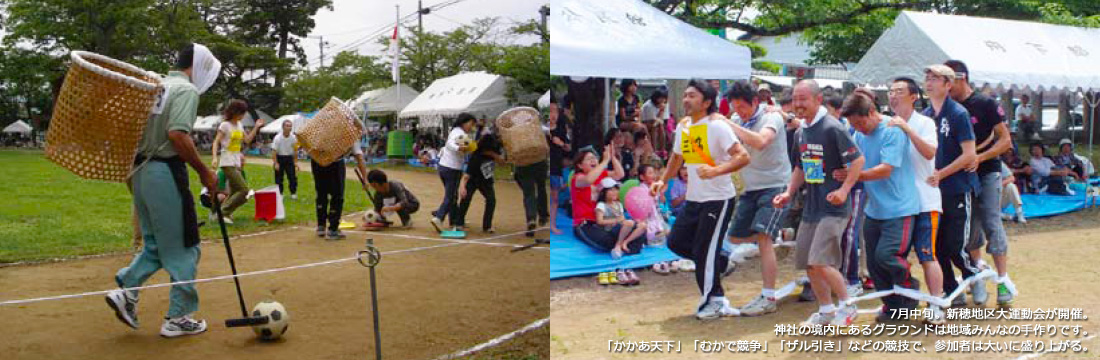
<point x="181" y="105"/>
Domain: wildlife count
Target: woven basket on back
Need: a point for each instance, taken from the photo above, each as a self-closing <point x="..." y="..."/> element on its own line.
<point x="99" y="116"/>
<point x="331" y="133"/>
<point x="524" y="140"/>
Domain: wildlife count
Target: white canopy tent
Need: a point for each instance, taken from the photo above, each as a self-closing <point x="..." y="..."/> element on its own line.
<point x="206" y="123"/>
<point x="631" y="39"/>
<point x="789" y="81"/>
<point x="18" y="127"/>
<point x="1004" y="54"/>
<point x="478" y="93"/>
<point x="384" y="101"/>
<point x="248" y="121"/>
<point x="276" y="126"/>
<point x="544" y="100"/>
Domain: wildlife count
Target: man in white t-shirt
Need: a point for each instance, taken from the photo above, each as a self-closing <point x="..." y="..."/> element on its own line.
<point x="706" y="145"/>
<point x="756" y="219"/>
<point x="921" y="130"/>
<point x="1025" y="120"/>
<point x="283" y="149"/>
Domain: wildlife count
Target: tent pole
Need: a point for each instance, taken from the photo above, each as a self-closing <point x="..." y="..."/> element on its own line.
<point x="606" y="103"/>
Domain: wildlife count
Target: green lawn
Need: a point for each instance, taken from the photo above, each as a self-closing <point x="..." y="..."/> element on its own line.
<point x="48" y="212"/>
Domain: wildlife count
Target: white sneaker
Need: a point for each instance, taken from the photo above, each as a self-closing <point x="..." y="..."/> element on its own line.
<point x="845" y="316"/>
<point x="759" y="306"/>
<point x="818" y="319"/>
<point x="294" y="196"/>
<point x="125" y="307"/>
<point x="180" y="326"/>
<point x="938" y="317"/>
<point x="687" y="265"/>
<point x="715" y="308"/>
<point x="977" y="290"/>
<point x="437" y="224"/>
<point x="855" y="290"/>
<point x="214" y="218"/>
<point x="1020" y="218"/>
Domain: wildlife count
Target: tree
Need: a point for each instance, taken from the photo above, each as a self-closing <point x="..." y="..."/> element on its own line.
<point x="280" y="24"/>
<point x="349" y="75"/>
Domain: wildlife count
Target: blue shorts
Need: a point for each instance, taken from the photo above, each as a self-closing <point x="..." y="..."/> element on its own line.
<point x="924" y="235"/>
<point x="756" y="215"/>
<point x="557" y="182"/>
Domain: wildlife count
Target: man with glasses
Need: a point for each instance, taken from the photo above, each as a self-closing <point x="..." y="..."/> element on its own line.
<point x="957" y="185"/>
<point x="921" y="131"/>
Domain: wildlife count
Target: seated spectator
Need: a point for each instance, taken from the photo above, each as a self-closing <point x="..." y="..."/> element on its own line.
<point x="677" y="191"/>
<point x="1067" y="159"/>
<point x="1010" y="193"/>
<point x="1019" y="169"/>
<point x="428" y="156"/>
<point x="1046" y="177"/>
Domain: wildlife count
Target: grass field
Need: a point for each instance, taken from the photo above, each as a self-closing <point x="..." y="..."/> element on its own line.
<point x="48" y="212"/>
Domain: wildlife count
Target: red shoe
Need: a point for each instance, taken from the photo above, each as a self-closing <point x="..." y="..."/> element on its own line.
<point x="868" y="284"/>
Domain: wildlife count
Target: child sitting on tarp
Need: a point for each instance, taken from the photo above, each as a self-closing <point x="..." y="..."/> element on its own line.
<point x="392" y="197"/>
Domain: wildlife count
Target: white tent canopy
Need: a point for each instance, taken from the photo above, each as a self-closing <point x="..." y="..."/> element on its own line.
<point x="1000" y="53"/>
<point x="18" y="127"/>
<point x="276" y="126"/>
<point x="544" y="100"/>
<point x="478" y="93"/>
<point x="631" y="39"/>
<point x="385" y="101"/>
<point x="206" y="123"/>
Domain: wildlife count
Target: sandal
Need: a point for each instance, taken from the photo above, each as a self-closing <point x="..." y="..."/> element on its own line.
<point x="624" y="278"/>
<point x="661" y="268"/>
<point x="612" y="278"/>
<point x="603" y="279"/>
<point x="634" y="279"/>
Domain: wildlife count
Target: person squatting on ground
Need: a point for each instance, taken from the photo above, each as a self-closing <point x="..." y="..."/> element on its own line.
<point x="284" y="148"/>
<point x="479" y="177"/>
<point x="992" y="135"/>
<point x="955" y="152"/>
<point x="229" y="143"/>
<point x="921" y="130"/>
<point x="328" y="181"/>
<point x="893" y="199"/>
<point x="450" y="170"/>
<point x="165" y="207"/>
<point x="705" y="144"/>
<point x="392" y="197"/>
<point x="755" y="219"/>
<point x="822" y="145"/>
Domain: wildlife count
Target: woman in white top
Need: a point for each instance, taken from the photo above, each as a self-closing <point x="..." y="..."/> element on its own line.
<point x="228" y="156"/>
<point x="451" y="161"/>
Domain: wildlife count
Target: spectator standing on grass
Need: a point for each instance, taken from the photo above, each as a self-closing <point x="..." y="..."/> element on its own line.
<point x="229" y="157"/>
<point x="284" y="145"/>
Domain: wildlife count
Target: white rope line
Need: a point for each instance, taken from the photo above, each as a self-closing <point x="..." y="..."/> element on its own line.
<point x="481" y="241"/>
<point x="499" y="340"/>
<point x="223" y="277"/>
<point x="944" y="302"/>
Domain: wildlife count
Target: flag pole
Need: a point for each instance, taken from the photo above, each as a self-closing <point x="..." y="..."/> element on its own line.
<point x="397" y="68"/>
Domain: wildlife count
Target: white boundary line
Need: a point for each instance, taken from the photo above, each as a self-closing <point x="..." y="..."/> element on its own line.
<point x="223" y="277"/>
<point x="497" y="341"/>
<point x="481" y="241"/>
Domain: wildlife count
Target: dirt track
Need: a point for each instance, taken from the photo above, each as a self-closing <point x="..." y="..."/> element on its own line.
<point x="433" y="301"/>
<point x="1052" y="269"/>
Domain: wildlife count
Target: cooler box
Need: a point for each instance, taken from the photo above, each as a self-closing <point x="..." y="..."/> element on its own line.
<point x="269" y="204"/>
<point x="399" y="144"/>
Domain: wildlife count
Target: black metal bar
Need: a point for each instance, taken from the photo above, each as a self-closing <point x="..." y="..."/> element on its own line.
<point x="374" y="309"/>
<point x="229" y="252"/>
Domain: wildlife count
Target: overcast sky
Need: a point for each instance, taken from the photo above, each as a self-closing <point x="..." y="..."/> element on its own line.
<point x="351" y="20"/>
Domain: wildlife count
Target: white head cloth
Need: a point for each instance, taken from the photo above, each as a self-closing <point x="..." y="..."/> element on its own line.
<point x="205" y="68"/>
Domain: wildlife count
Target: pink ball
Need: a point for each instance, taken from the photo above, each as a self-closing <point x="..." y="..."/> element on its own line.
<point x="639" y="203"/>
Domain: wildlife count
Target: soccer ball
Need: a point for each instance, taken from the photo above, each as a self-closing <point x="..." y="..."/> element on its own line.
<point x="371" y="217"/>
<point x="465" y="141"/>
<point x="277" y="323"/>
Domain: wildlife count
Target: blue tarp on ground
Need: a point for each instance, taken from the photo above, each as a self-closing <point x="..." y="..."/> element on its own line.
<point x="571" y="257"/>
<point x="1049" y="205"/>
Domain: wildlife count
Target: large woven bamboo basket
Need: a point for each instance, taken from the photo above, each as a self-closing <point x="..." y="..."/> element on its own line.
<point x="99" y="116"/>
<point x="524" y="140"/>
<point x="330" y="133"/>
